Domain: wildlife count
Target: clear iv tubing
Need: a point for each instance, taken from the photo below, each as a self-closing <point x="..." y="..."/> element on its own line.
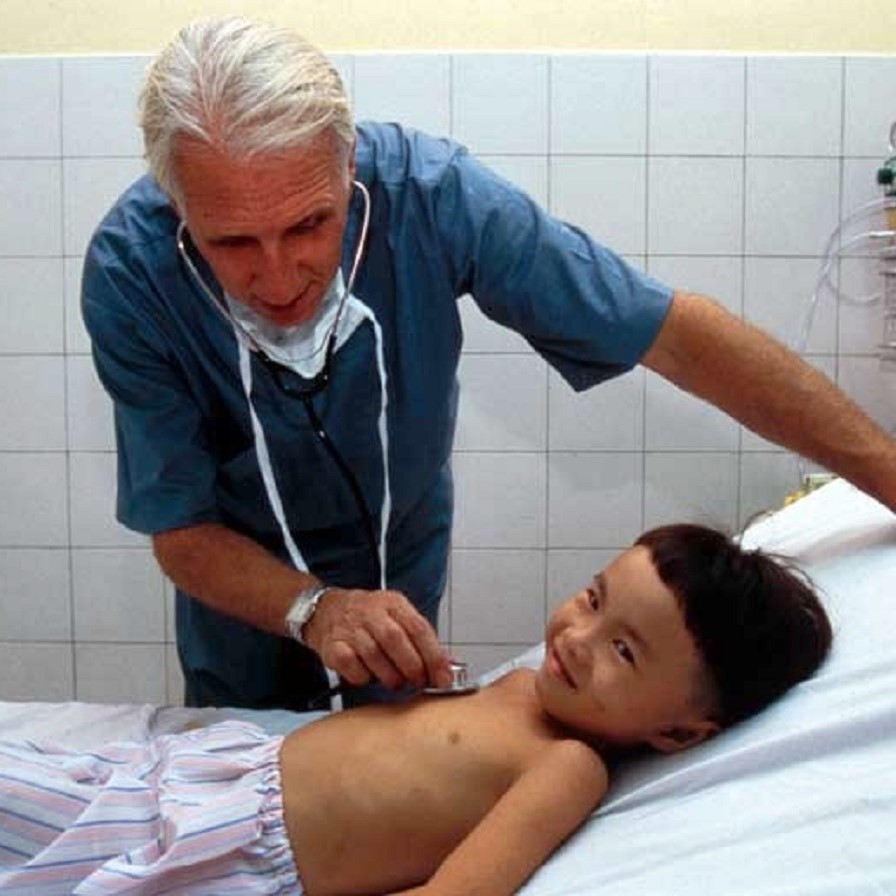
<point x="831" y="253"/>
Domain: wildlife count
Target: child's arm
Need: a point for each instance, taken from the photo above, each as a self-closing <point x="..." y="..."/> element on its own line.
<point x="536" y="814"/>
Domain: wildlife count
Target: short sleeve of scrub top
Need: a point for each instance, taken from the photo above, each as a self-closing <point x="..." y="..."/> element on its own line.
<point x="587" y="311"/>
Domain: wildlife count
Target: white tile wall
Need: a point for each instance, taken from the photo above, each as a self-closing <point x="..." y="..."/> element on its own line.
<point x="30" y="96"/>
<point x="594" y="498"/>
<point x="696" y="105"/>
<point x="92" y="503"/>
<point x="412" y="88"/>
<point x="501" y="499"/>
<point x="718" y="174"/>
<point x="499" y="102"/>
<point x="91" y="186"/>
<point x="503" y="404"/>
<point x="794" y="106"/>
<point x="860" y="320"/>
<point x="868" y="105"/>
<point x="607" y="419"/>
<point x="792" y="205"/>
<point x="120" y="673"/>
<point x="31" y="306"/>
<point x="614" y="206"/>
<point x="587" y="92"/>
<point x="775" y="291"/>
<point x="90" y="419"/>
<point x="514" y="582"/>
<point x="35" y="600"/>
<point x="34" y="400"/>
<point x="706" y="484"/>
<point x="30" y="226"/>
<point x="696" y="205"/>
<point x="99" y="113"/>
<point x="34" y="497"/>
<point x="118" y="595"/>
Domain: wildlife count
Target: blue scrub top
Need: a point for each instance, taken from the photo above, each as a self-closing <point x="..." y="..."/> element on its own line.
<point x="442" y="225"/>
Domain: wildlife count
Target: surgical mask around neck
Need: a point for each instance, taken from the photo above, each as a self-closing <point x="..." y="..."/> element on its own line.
<point x="303" y="347"/>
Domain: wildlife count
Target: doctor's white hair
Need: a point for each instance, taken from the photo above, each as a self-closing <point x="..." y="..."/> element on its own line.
<point x="241" y="86"/>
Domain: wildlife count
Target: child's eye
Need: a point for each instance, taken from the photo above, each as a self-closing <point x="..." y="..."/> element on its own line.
<point x="624" y="651"/>
<point x="593" y="599"/>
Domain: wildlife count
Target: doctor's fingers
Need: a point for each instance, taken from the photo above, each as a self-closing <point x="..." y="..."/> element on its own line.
<point x="391" y="638"/>
<point x="360" y="660"/>
<point x="412" y="645"/>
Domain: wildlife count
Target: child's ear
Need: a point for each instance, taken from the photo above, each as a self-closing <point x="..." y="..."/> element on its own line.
<point x="671" y="740"/>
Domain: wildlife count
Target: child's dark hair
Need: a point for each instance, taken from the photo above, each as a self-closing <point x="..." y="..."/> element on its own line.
<point x="757" y="623"/>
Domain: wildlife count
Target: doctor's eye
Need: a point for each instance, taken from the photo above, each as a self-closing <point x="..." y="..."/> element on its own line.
<point x="309" y="224"/>
<point x="231" y="242"/>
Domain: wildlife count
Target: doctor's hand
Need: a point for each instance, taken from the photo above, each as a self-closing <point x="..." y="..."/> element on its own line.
<point x="362" y="635"/>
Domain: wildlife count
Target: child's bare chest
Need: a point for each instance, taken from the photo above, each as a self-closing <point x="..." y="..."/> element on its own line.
<point x="425" y="774"/>
<point x="483" y="737"/>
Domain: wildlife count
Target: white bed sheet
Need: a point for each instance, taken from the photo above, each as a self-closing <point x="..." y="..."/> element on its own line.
<point x="799" y="800"/>
<point x="85" y="725"/>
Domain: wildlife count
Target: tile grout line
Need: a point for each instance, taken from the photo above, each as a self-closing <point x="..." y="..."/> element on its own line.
<point x="73" y="649"/>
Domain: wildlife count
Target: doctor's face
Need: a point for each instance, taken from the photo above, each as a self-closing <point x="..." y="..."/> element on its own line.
<point x="270" y="227"/>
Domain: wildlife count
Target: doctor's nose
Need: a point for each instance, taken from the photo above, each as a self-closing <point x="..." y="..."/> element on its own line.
<point x="275" y="276"/>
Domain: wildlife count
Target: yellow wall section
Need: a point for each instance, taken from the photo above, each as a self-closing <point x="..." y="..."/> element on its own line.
<point x="813" y="26"/>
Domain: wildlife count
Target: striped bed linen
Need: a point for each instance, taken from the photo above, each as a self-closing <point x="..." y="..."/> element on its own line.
<point x="193" y="813"/>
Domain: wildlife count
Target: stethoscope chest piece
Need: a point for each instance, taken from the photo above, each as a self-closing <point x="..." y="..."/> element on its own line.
<point x="460" y="683"/>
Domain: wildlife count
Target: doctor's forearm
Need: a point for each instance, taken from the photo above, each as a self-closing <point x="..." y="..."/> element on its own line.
<point x="230" y="573"/>
<point x="712" y="354"/>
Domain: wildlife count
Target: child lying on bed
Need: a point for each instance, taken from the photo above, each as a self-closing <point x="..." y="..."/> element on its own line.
<point x="681" y="636"/>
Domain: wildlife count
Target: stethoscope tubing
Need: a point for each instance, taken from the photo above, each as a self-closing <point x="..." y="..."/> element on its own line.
<point x="322" y="378"/>
<point x="459" y="686"/>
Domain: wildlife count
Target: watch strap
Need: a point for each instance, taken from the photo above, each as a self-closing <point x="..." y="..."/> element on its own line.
<point x="302" y="609"/>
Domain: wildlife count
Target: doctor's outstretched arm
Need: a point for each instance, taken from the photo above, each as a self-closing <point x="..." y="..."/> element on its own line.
<point x="361" y="635"/>
<point x="705" y="350"/>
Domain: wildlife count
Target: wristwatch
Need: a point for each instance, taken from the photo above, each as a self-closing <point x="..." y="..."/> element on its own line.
<point x="303" y="608"/>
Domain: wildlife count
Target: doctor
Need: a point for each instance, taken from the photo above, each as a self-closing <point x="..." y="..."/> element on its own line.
<point x="274" y="314"/>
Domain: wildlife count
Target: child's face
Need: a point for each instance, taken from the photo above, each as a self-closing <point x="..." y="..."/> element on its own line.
<point x="620" y="664"/>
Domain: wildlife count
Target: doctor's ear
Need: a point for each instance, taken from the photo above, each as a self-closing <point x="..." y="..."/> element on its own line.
<point x="671" y="740"/>
<point x="351" y="167"/>
<point x="176" y="206"/>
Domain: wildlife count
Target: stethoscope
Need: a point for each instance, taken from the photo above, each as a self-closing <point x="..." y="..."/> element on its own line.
<point x="288" y="380"/>
<point x="306" y="389"/>
<point x="460" y="682"/>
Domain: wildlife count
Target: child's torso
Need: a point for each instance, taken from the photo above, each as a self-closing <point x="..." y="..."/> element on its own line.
<point x="375" y="798"/>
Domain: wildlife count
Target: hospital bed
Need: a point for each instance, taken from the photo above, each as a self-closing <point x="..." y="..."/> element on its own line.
<point x="799" y="800"/>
